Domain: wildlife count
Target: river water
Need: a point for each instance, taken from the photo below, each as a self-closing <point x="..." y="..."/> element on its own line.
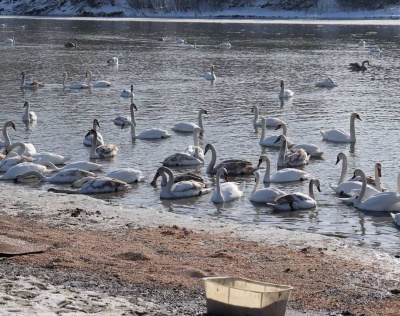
<point x="169" y="87"/>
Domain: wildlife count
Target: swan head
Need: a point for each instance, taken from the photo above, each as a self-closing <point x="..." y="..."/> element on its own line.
<point x="263" y="157"/>
<point x="133" y="106"/>
<point x="339" y="157"/>
<point x="203" y="111"/>
<point x="88" y="73"/>
<point x="358" y="173"/>
<point x="223" y="172"/>
<point x="131" y="87"/>
<point x="23" y="74"/>
<point x="96" y="121"/>
<point x="355" y="115"/>
<point x="317" y="184"/>
<point x="282" y="83"/>
<point x="26" y="104"/>
<point x="207" y="148"/>
<point x="10" y="124"/>
<point x="365" y="62"/>
<point x="254" y="107"/>
<point x="65" y="74"/>
<point x="378" y="166"/>
<point x="154" y="181"/>
<point x="280" y="138"/>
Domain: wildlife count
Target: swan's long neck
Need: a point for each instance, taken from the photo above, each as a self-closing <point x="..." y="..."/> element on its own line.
<point x="211" y="165"/>
<point x="170" y="182"/>
<point x="263" y="129"/>
<point x="358" y="201"/>
<point x="36" y="174"/>
<point x="311" y="189"/>
<point x="94" y="125"/>
<point x="398" y="183"/>
<point x="5" y="135"/>
<point x="133" y="130"/>
<point x="218" y="186"/>
<point x="23" y="80"/>
<point x="18" y="144"/>
<point x="64" y="79"/>
<point x="94" y="145"/>
<point x="65" y="191"/>
<point x="378" y="184"/>
<point x="344" y="169"/>
<point x="256" y="113"/>
<point x="257" y="174"/>
<point x="200" y="120"/>
<point x="133" y="120"/>
<point x="267" y="169"/>
<point x="89" y="77"/>
<point x="27" y="107"/>
<point x="282" y="152"/>
<point x="282" y="87"/>
<point x="81" y="182"/>
<point x="284" y="129"/>
<point x="196" y="138"/>
<point x="352" y="129"/>
<point x="212" y="71"/>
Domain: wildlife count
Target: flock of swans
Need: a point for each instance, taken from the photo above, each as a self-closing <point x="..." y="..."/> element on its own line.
<point x="21" y="163"/>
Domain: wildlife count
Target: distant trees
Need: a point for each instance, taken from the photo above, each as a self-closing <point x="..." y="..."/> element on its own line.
<point x="366" y="4"/>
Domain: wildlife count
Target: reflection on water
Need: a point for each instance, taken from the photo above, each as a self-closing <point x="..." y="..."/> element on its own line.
<point x="170" y="87"/>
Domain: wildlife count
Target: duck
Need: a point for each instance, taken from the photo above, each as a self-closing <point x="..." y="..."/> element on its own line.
<point x="177" y="178"/>
<point x="227" y="191"/>
<point x="29" y="85"/>
<point x="97" y="84"/>
<point x="190" y="127"/>
<point x="180" y="41"/>
<point x="282" y="175"/>
<point x="211" y="75"/>
<point x="126" y="93"/>
<point x="10" y="41"/>
<point x="361" y="43"/>
<point x="225" y="45"/>
<point x="152" y="133"/>
<point x="102" y="151"/>
<point x="76" y="85"/>
<point x="346" y="187"/>
<point x="233" y="166"/>
<point x="21" y="168"/>
<point x="292" y="158"/>
<point x="96" y="185"/>
<point x="396" y="218"/>
<point x="358" y="67"/>
<point x="88" y="139"/>
<point x="271" y="141"/>
<point x="28" y="116"/>
<point x="380" y="202"/>
<point x="73" y="44"/>
<point x="184" y="159"/>
<point x="285" y="93"/>
<point x="340" y="135"/>
<point x="182" y="189"/>
<point x="192" y="47"/>
<point x="63" y="176"/>
<point x="119" y="120"/>
<point x="113" y="61"/>
<point x="269" y="121"/>
<point x="6" y="137"/>
<point x="297" y="201"/>
<point x="128" y="175"/>
<point x="265" y="195"/>
<point x="327" y="83"/>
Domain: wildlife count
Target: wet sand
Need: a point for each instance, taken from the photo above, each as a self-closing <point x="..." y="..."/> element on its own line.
<point x="100" y="261"/>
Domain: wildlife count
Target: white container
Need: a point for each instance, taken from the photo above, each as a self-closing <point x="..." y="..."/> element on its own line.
<point x="230" y="296"/>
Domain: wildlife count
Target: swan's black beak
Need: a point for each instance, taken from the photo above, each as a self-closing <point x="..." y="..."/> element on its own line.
<point x="278" y="127"/>
<point x="319" y="189"/>
<point x="13" y="126"/>
<point x="259" y="162"/>
<point x="123" y="125"/>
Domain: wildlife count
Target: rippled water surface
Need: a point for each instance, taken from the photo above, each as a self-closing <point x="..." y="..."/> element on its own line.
<point x="170" y="87"/>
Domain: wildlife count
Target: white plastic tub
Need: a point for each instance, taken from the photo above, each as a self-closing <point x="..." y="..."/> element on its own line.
<point x="230" y="296"/>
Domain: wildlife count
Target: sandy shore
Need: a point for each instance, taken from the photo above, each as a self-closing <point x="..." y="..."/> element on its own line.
<point x="109" y="259"/>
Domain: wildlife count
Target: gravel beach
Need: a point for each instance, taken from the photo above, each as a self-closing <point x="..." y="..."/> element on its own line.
<point x="98" y="261"/>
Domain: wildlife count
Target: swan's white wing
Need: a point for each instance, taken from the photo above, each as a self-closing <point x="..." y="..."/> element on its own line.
<point x="336" y="135"/>
<point x="380" y="202"/>
<point x="185" y="127"/>
<point x="289" y="175"/>
<point x="127" y="175"/>
<point x="103" y="185"/>
<point x="296" y="157"/>
<point x="154" y="133"/>
<point x="266" y="195"/>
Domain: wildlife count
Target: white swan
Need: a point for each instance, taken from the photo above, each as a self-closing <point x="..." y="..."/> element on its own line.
<point x="374" y="50"/>
<point x="10" y="41"/>
<point x="6" y="137"/>
<point x="192" y="47"/>
<point x="26" y="149"/>
<point x="28" y="116"/>
<point x="269" y="121"/>
<point x="177" y="178"/>
<point x="272" y="141"/>
<point x="190" y="127"/>
<point x="97" y="84"/>
<point x="381" y="202"/>
<point x="76" y="85"/>
<point x="396" y="218"/>
<point x="22" y="168"/>
<point x="29" y="85"/>
<point x="126" y="93"/>
<point x="342" y="136"/>
<point x="211" y="75"/>
<point x="102" y="151"/>
<point x="292" y="158"/>
<point x="119" y="120"/>
<point x="285" y="93"/>
<point x="282" y="175"/>
<point x="152" y="133"/>
<point x="64" y="176"/>
<point x="88" y="139"/>
<point x="73" y="44"/>
<point x="327" y="83"/>
<point x="311" y="149"/>
<point x="113" y="61"/>
<point x="233" y="166"/>
<point x="225" y="45"/>
<point x="96" y="185"/>
<point x="11" y="161"/>
<point x="228" y="191"/>
<point x="361" y="43"/>
<point x="297" y="200"/>
<point x="128" y="175"/>
<point x="346" y="187"/>
<point x="180" y="41"/>
<point x="184" y="159"/>
<point x="183" y="189"/>
<point x="265" y="195"/>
